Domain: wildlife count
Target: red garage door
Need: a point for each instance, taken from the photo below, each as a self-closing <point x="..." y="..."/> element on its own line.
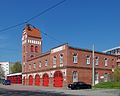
<point x="37" y="80"/>
<point x="30" y="80"/>
<point x="45" y="80"/>
<point x="19" y="79"/>
<point x="58" y="79"/>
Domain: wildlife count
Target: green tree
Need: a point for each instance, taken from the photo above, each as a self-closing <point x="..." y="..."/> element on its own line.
<point x="17" y="67"/>
<point x="116" y="74"/>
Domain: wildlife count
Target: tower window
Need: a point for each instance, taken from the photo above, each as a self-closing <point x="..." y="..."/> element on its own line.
<point x="32" y="48"/>
<point x="36" y="48"/>
<point x="31" y="56"/>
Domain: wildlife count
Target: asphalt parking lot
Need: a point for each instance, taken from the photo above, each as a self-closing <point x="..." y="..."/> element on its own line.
<point x="20" y="90"/>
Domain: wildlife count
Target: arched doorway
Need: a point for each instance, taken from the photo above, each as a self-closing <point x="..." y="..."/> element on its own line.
<point x="45" y="79"/>
<point x="30" y="80"/>
<point x="58" y="79"/>
<point x="37" y="80"/>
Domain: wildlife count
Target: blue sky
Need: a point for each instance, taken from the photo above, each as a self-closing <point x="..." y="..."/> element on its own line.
<point x="80" y="23"/>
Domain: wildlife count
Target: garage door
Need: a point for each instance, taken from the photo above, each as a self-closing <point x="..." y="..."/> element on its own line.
<point x="45" y="80"/>
<point x="37" y="80"/>
<point x="30" y="80"/>
<point x="58" y="79"/>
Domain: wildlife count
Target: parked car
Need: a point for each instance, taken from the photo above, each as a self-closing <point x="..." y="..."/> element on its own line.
<point x="79" y="85"/>
<point x="6" y="82"/>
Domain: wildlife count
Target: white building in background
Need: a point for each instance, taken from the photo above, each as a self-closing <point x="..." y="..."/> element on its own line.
<point x="114" y="51"/>
<point x="6" y="66"/>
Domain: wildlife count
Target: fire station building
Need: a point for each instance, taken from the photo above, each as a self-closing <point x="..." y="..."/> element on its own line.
<point x="62" y="65"/>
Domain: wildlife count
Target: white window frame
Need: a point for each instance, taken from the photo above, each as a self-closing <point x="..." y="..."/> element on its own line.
<point x="46" y="62"/>
<point x="40" y="64"/>
<point x="75" y="76"/>
<point x="75" y="58"/>
<point x="88" y="60"/>
<point x="96" y="61"/>
<point x="106" y="62"/>
<point x="34" y="65"/>
<point x="61" y="58"/>
<point x="54" y="60"/>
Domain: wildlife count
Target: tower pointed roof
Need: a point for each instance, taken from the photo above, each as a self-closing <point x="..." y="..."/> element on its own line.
<point x="32" y="31"/>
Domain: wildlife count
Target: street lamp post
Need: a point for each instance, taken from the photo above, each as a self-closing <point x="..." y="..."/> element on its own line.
<point x="93" y="68"/>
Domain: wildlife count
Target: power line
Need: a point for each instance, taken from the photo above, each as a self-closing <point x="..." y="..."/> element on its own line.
<point x="50" y="37"/>
<point x="41" y="13"/>
<point x="46" y="10"/>
<point x="13" y="26"/>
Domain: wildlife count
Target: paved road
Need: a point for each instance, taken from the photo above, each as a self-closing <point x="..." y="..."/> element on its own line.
<point x="6" y="92"/>
<point x="20" y="90"/>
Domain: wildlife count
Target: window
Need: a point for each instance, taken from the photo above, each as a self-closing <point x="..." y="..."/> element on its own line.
<point x="88" y="60"/>
<point x="118" y="63"/>
<point x="29" y="66"/>
<point x="23" y="48"/>
<point x="54" y="60"/>
<point x="31" y="56"/>
<point x="75" y="76"/>
<point x="34" y="66"/>
<point x="40" y="64"/>
<point x="46" y="63"/>
<point x="96" y="77"/>
<point x="105" y="61"/>
<point x="75" y="58"/>
<point x="32" y="48"/>
<point x="105" y="77"/>
<point x="118" y="57"/>
<point x="36" y="49"/>
<point x="23" y="58"/>
<point x="61" y="59"/>
<point x="96" y="61"/>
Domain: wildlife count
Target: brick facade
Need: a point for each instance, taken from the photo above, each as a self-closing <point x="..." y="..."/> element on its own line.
<point x="58" y="63"/>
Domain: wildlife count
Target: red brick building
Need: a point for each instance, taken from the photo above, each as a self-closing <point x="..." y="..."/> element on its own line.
<point x="61" y="65"/>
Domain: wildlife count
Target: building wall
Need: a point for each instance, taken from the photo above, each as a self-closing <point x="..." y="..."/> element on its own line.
<point x="5" y="67"/>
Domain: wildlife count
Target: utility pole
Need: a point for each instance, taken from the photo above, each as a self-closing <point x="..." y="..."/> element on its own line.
<point x="93" y="67"/>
